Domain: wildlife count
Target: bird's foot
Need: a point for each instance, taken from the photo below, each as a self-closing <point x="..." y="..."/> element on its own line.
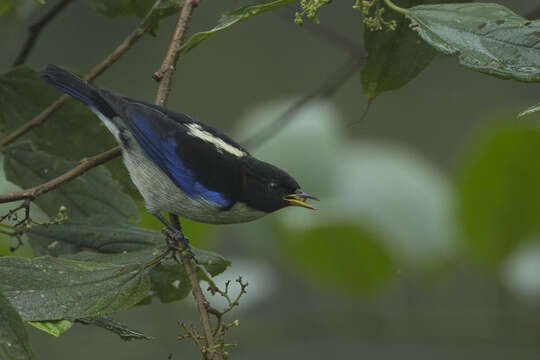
<point x="179" y="240"/>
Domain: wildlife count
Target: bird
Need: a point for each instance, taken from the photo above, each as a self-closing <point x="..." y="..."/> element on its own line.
<point x="182" y="166"/>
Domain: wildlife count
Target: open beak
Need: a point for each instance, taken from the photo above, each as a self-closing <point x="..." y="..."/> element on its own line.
<point x="299" y="198"/>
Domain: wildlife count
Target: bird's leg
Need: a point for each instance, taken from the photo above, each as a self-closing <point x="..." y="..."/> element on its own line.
<point x="177" y="235"/>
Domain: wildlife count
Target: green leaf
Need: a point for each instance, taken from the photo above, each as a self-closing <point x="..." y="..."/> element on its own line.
<point x="214" y="263"/>
<point x="42" y="2"/>
<point x="47" y="288"/>
<point x="169" y="280"/>
<point x="499" y="192"/>
<point x="116" y="327"/>
<point x="395" y="57"/>
<point x="93" y="193"/>
<point x="96" y="233"/>
<point x="533" y="109"/>
<point x="137" y="257"/>
<point x="54" y="328"/>
<point x="229" y="19"/>
<point x="14" y="343"/>
<point x="485" y="37"/>
<point x="340" y="255"/>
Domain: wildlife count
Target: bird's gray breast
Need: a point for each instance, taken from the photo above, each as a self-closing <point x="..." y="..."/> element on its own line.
<point x="160" y="193"/>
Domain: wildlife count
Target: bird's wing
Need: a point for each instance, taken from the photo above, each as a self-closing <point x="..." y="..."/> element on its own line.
<point x="178" y="146"/>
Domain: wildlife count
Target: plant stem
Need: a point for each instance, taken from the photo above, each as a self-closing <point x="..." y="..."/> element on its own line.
<point x="394" y="7"/>
<point x="166" y="71"/>
<point x="164" y="76"/>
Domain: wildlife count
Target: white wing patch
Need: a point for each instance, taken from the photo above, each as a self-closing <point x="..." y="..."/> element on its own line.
<point x="197" y="131"/>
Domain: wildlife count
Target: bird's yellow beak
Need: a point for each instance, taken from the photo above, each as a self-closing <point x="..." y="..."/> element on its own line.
<point x="299" y="198"/>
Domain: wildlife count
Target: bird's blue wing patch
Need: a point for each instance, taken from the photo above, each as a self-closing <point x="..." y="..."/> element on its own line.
<point x="162" y="150"/>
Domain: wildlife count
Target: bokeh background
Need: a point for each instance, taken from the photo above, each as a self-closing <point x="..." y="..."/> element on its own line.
<point x="425" y="244"/>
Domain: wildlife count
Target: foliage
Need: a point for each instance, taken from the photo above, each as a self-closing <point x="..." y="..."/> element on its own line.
<point x="382" y="72"/>
<point x="94" y="252"/>
<point x="485" y="37"/>
<point x="13" y="338"/>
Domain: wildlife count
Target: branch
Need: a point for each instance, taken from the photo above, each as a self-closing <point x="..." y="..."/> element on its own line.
<point x="164" y="77"/>
<point x="202" y="303"/>
<point x="83" y="166"/>
<point x="90" y="76"/>
<point x="166" y="71"/>
<point x="326" y="89"/>
<point x="34" y="30"/>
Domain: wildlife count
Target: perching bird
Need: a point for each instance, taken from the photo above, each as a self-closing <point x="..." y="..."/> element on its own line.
<point x="183" y="166"/>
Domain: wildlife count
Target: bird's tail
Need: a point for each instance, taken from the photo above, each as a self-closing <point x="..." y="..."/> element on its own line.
<point x="78" y="88"/>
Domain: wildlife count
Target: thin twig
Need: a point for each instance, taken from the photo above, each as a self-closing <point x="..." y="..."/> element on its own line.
<point x="34" y="30"/>
<point x="202" y="303"/>
<point x="166" y="71"/>
<point x="83" y="166"/>
<point x="90" y="76"/>
<point x="326" y="89"/>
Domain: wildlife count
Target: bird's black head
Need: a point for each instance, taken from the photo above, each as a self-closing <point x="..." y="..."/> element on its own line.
<point x="268" y="188"/>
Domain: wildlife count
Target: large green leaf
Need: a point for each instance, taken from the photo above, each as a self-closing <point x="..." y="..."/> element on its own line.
<point x="13" y="337"/>
<point x="93" y="193"/>
<point x="96" y="233"/>
<point x="485" y="37"/>
<point x="213" y="263"/>
<point x="133" y="242"/>
<point x="135" y="245"/>
<point x="229" y="19"/>
<point x="47" y="288"/>
<point x="395" y="57"/>
<point x="499" y="192"/>
<point x="169" y="280"/>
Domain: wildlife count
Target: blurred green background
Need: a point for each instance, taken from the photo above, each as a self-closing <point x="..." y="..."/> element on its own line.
<point x="425" y="244"/>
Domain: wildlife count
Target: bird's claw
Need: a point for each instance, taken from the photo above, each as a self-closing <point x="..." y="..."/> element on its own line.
<point x="180" y="240"/>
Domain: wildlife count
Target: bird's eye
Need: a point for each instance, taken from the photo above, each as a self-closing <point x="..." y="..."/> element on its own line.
<point x="273" y="186"/>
